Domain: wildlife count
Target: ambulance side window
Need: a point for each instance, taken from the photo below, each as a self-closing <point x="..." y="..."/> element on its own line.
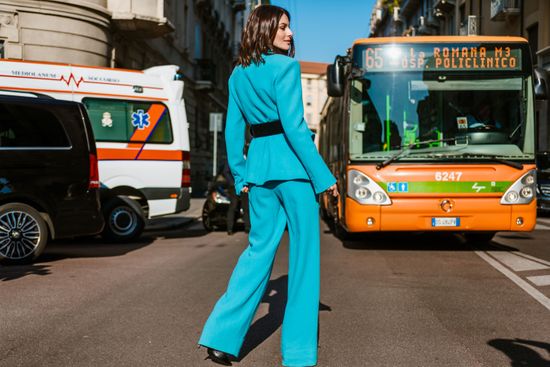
<point x="129" y="121"/>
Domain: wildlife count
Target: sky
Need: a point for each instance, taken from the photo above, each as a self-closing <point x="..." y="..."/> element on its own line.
<point x="326" y="28"/>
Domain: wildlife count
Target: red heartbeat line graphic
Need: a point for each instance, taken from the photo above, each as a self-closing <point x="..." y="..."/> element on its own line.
<point x="71" y="77"/>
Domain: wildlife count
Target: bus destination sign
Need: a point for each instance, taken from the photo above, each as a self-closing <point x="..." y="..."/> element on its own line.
<point x="439" y="58"/>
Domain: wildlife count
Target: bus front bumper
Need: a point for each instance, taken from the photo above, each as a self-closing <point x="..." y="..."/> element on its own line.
<point x="422" y="214"/>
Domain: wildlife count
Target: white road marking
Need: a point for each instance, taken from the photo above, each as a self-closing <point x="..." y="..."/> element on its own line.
<point x="541" y="298"/>
<point x="533" y="258"/>
<point x="540" y="280"/>
<point x="517" y="263"/>
<point x="542" y="227"/>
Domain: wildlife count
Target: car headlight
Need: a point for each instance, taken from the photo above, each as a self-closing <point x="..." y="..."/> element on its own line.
<point x="522" y="190"/>
<point x="364" y="190"/>
<point x="220" y="199"/>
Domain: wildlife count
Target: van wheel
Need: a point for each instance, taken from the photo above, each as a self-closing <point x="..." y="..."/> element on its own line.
<point x="23" y="233"/>
<point x="122" y="221"/>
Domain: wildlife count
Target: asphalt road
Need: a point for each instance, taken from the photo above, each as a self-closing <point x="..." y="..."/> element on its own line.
<point x="407" y="300"/>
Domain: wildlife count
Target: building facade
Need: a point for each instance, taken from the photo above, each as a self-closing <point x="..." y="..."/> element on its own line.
<point x="524" y="18"/>
<point x="200" y="36"/>
<point x="314" y="90"/>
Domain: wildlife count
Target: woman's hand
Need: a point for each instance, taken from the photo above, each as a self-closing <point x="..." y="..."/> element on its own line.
<point x="245" y="189"/>
<point x="333" y="190"/>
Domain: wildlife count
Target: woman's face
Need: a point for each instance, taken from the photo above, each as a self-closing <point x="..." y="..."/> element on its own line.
<point x="283" y="38"/>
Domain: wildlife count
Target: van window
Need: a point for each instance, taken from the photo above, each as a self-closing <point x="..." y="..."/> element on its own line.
<point x="129" y="121"/>
<point x="30" y="126"/>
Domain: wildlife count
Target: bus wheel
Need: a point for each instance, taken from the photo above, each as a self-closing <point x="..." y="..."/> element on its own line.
<point x="23" y="233"/>
<point x="323" y="213"/>
<point x="479" y="237"/>
<point x="340" y="231"/>
<point x="123" y="220"/>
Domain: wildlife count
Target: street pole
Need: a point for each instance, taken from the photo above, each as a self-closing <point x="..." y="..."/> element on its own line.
<point x="215" y="127"/>
<point x="215" y="154"/>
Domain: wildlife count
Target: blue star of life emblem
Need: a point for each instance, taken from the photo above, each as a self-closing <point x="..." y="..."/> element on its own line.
<point x="140" y="119"/>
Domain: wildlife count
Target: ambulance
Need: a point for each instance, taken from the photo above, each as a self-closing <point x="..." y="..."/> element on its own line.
<point x="141" y="131"/>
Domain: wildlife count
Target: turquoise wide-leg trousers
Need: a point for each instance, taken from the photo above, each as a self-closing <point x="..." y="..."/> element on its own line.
<point x="273" y="206"/>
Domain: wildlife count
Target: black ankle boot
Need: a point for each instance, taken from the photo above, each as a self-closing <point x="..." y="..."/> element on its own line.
<point x="218" y="357"/>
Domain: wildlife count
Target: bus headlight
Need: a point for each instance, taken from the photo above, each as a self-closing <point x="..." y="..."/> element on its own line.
<point x="529" y="179"/>
<point x="359" y="180"/>
<point x="512" y="197"/>
<point x="522" y="190"/>
<point x="526" y="192"/>
<point x="364" y="190"/>
<point x="362" y="193"/>
<point x="379" y="197"/>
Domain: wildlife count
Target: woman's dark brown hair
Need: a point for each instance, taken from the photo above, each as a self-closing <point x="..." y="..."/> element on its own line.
<point x="259" y="33"/>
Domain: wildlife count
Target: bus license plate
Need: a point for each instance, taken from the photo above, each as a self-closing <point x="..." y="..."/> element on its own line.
<point x="445" y="222"/>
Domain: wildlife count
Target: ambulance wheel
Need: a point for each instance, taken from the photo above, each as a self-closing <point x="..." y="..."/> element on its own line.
<point x="123" y="221"/>
<point x="479" y="237"/>
<point x="23" y="233"/>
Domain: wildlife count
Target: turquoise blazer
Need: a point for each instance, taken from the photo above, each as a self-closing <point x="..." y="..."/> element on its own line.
<point x="267" y="92"/>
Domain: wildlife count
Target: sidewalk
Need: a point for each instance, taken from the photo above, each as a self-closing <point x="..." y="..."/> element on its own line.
<point x="177" y="220"/>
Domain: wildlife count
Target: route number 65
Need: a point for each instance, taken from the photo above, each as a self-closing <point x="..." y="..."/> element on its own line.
<point x="447" y="176"/>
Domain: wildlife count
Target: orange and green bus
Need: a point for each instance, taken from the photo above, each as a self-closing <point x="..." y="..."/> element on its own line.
<point x="432" y="134"/>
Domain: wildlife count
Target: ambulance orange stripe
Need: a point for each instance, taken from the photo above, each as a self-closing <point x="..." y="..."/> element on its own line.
<point x="83" y="81"/>
<point x="106" y="154"/>
<point x="86" y="93"/>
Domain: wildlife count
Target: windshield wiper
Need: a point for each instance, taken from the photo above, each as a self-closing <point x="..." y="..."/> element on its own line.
<point x="493" y="158"/>
<point x="401" y="152"/>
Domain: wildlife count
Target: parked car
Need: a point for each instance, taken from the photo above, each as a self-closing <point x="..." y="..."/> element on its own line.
<point x="214" y="210"/>
<point x="543" y="182"/>
<point x="49" y="184"/>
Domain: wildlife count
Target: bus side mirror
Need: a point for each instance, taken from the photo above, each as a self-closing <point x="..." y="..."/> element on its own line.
<point x="335" y="79"/>
<point x="541" y="84"/>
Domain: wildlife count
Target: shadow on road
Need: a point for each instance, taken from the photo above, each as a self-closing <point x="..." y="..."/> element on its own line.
<point x="8" y="273"/>
<point x="521" y="352"/>
<point x="398" y="241"/>
<point x="87" y="247"/>
<point x="90" y="247"/>
<point x="275" y="295"/>
<point x="188" y="230"/>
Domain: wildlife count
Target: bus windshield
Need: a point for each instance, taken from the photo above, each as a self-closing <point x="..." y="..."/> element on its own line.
<point x="441" y="115"/>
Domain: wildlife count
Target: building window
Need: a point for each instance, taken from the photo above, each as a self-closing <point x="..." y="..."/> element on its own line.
<point x="309" y="100"/>
<point x="2" y="50"/>
<point x="533" y="38"/>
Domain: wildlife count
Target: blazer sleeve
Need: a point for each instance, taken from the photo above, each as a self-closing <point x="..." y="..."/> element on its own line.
<point x="288" y="94"/>
<point x="234" y="142"/>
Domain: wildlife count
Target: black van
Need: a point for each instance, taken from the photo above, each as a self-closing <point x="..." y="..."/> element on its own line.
<point x="49" y="184"/>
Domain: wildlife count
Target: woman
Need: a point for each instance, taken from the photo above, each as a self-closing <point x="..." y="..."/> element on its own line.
<point x="282" y="174"/>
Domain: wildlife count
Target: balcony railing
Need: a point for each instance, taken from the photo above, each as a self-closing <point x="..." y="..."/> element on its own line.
<point x="504" y="9"/>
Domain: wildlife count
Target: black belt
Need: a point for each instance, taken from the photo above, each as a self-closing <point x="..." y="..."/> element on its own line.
<point x="266" y="129"/>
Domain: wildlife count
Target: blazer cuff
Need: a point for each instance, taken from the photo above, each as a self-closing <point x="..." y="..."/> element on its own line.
<point x="239" y="187"/>
<point x="321" y="186"/>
